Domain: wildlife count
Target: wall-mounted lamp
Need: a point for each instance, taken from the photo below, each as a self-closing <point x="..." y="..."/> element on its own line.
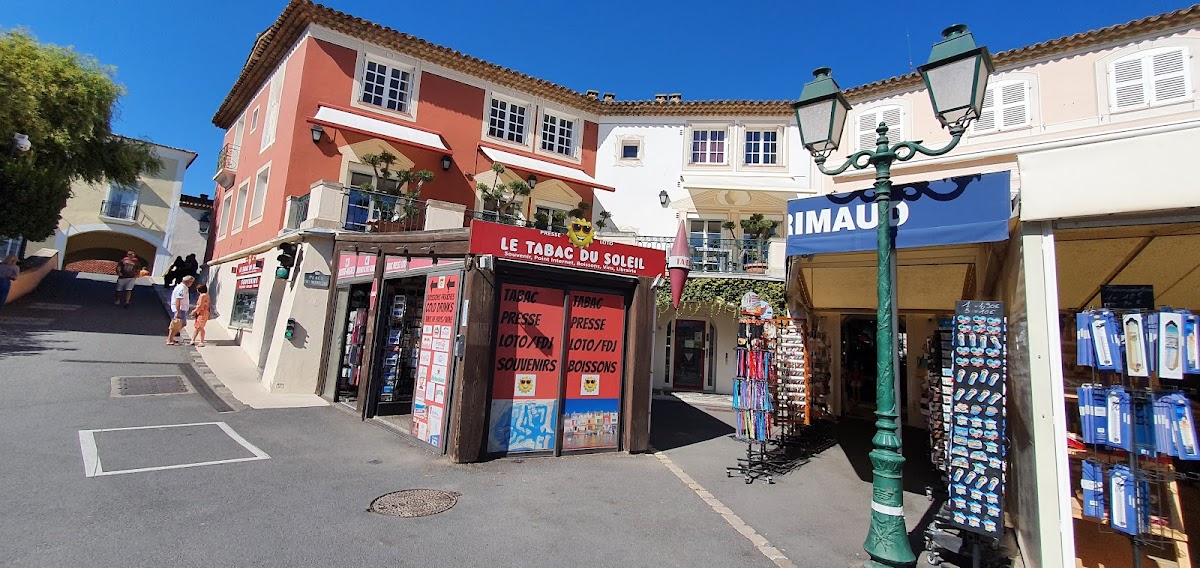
<point x="532" y="181"/>
<point x="663" y="198"/>
<point x="317" y="132"/>
<point x="446" y="161"/>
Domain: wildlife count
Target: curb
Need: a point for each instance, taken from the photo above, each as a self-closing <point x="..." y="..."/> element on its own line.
<point x="210" y="379"/>
<point x="759" y="541"/>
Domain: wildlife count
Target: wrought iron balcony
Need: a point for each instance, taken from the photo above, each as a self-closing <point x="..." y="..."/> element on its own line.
<point x="119" y="210"/>
<point x="716" y="255"/>
<point x="227" y="165"/>
<point x="370" y="211"/>
<point x="494" y="217"/>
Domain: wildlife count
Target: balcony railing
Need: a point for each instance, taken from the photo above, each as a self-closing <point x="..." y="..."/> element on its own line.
<point x="227" y="158"/>
<point x="494" y="217"/>
<point x="714" y="255"/>
<point x="375" y="212"/>
<point x="297" y="211"/>
<point x="119" y="210"/>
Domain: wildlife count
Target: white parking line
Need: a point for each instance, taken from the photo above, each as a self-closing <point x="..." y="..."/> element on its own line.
<point x="91" y="456"/>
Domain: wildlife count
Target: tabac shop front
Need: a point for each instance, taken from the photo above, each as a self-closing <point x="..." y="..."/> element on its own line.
<point x="496" y="340"/>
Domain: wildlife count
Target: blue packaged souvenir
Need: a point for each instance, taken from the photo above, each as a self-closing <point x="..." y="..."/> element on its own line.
<point x="1191" y="343"/>
<point x="1183" y="428"/>
<point x="1120" y="423"/>
<point x="1085" y="413"/>
<point x="1093" y="490"/>
<point x="1099" y="405"/>
<point x="1123" y="496"/>
<point x="1163" y="438"/>
<point x="1143" y="426"/>
<point x="1085" y="356"/>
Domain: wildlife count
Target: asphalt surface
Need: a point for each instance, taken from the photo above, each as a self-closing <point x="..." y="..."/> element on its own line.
<point x="306" y="505"/>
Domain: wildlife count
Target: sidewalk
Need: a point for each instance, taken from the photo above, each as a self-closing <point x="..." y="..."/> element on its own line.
<point x="233" y="368"/>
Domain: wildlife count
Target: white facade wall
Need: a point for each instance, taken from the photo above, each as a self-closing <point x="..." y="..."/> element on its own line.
<point x="665" y="152"/>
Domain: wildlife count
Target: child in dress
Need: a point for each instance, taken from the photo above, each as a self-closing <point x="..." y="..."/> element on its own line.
<point x="200" y="315"/>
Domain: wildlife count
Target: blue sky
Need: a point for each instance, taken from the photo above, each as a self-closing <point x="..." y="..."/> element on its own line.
<point x="178" y="59"/>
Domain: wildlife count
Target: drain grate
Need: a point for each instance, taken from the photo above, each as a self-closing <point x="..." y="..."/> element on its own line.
<point x="149" y="385"/>
<point x="414" y="502"/>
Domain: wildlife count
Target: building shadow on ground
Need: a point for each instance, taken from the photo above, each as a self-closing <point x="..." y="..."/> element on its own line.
<point x="854" y="437"/>
<point x="675" y="424"/>
<point x="74" y="302"/>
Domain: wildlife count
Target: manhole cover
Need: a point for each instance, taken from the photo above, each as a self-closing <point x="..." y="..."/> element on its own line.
<point x="414" y="502"/>
<point x="149" y="385"/>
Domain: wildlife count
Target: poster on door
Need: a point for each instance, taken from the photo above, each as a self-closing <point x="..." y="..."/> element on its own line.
<point x="595" y="343"/>
<point x="438" y="329"/>
<point x="526" y="370"/>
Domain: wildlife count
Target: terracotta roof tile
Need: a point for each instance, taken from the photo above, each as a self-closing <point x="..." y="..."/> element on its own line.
<point x="274" y="43"/>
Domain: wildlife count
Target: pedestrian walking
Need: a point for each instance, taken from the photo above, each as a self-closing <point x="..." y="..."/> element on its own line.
<point x="127" y="273"/>
<point x="201" y="314"/>
<point x="8" y="272"/>
<point x="180" y="300"/>
<point x="175" y="273"/>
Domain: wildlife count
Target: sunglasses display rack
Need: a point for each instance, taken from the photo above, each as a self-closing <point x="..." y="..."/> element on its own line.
<point x="792" y="371"/>
<point x="936" y="402"/>
<point x="1130" y="429"/>
<point x="753" y="403"/>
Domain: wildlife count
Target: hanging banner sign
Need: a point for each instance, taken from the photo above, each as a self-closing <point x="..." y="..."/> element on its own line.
<point x="977" y="443"/>
<point x="526" y="371"/>
<point x="435" y="359"/>
<point x="365" y="265"/>
<point x="960" y="210"/>
<point x="250" y="266"/>
<point x="250" y="283"/>
<point x="595" y="348"/>
<point x="398" y="264"/>
<point x="576" y="249"/>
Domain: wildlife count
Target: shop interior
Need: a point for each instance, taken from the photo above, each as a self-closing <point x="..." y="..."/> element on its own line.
<point x="399" y="345"/>
<point x="347" y="362"/>
<point x="1163" y="257"/>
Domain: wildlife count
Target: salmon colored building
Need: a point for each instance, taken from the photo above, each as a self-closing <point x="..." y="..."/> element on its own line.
<point x="320" y="92"/>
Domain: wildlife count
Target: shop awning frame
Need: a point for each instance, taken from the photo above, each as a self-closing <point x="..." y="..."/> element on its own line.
<point x="542" y="167"/>
<point x="340" y="118"/>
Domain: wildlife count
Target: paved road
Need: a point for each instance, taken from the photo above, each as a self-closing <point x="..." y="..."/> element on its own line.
<point x="305" y="506"/>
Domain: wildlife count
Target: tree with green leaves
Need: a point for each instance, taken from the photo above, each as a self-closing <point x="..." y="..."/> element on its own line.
<point x="503" y="198"/>
<point x="64" y="102"/>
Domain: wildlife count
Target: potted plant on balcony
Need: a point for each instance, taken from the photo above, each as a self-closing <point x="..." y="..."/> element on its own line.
<point x="503" y="200"/>
<point x="406" y="188"/>
<point x="583" y="210"/>
<point x="757" y="232"/>
<point x="541" y="221"/>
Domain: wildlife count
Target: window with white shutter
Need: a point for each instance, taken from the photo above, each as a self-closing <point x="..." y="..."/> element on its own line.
<point x="1005" y="107"/>
<point x="868" y="121"/>
<point x="1150" y="78"/>
<point x="271" y="124"/>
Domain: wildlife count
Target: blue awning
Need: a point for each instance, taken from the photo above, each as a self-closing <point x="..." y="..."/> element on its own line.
<point x="953" y="211"/>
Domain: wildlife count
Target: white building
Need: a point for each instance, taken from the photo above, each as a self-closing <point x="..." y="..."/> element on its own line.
<point x="715" y="164"/>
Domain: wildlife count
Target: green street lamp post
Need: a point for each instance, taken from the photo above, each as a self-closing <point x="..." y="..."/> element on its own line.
<point x="956" y="79"/>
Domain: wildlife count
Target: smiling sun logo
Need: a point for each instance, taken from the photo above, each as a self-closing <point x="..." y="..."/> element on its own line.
<point x="590" y="385"/>
<point x="580" y="233"/>
<point x="525" y="385"/>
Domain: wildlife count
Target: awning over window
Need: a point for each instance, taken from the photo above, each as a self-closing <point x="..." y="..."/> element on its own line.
<point x="371" y="126"/>
<point x="746" y="183"/>
<point x="542" y="167"/>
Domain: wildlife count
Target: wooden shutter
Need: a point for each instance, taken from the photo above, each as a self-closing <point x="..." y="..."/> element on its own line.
<point x="987" y="114"/>
<point x="1014" y="104"/>
<point x="1169" y="72"/>
<point x="868" y="121"/>
<point x="1127" y="81"/>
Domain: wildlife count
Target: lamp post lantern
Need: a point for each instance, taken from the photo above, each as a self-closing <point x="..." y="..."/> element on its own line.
<point x="956" y="78"/>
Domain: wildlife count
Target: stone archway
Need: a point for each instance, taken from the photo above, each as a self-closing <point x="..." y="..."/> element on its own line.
<point x="99" y="251"/>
